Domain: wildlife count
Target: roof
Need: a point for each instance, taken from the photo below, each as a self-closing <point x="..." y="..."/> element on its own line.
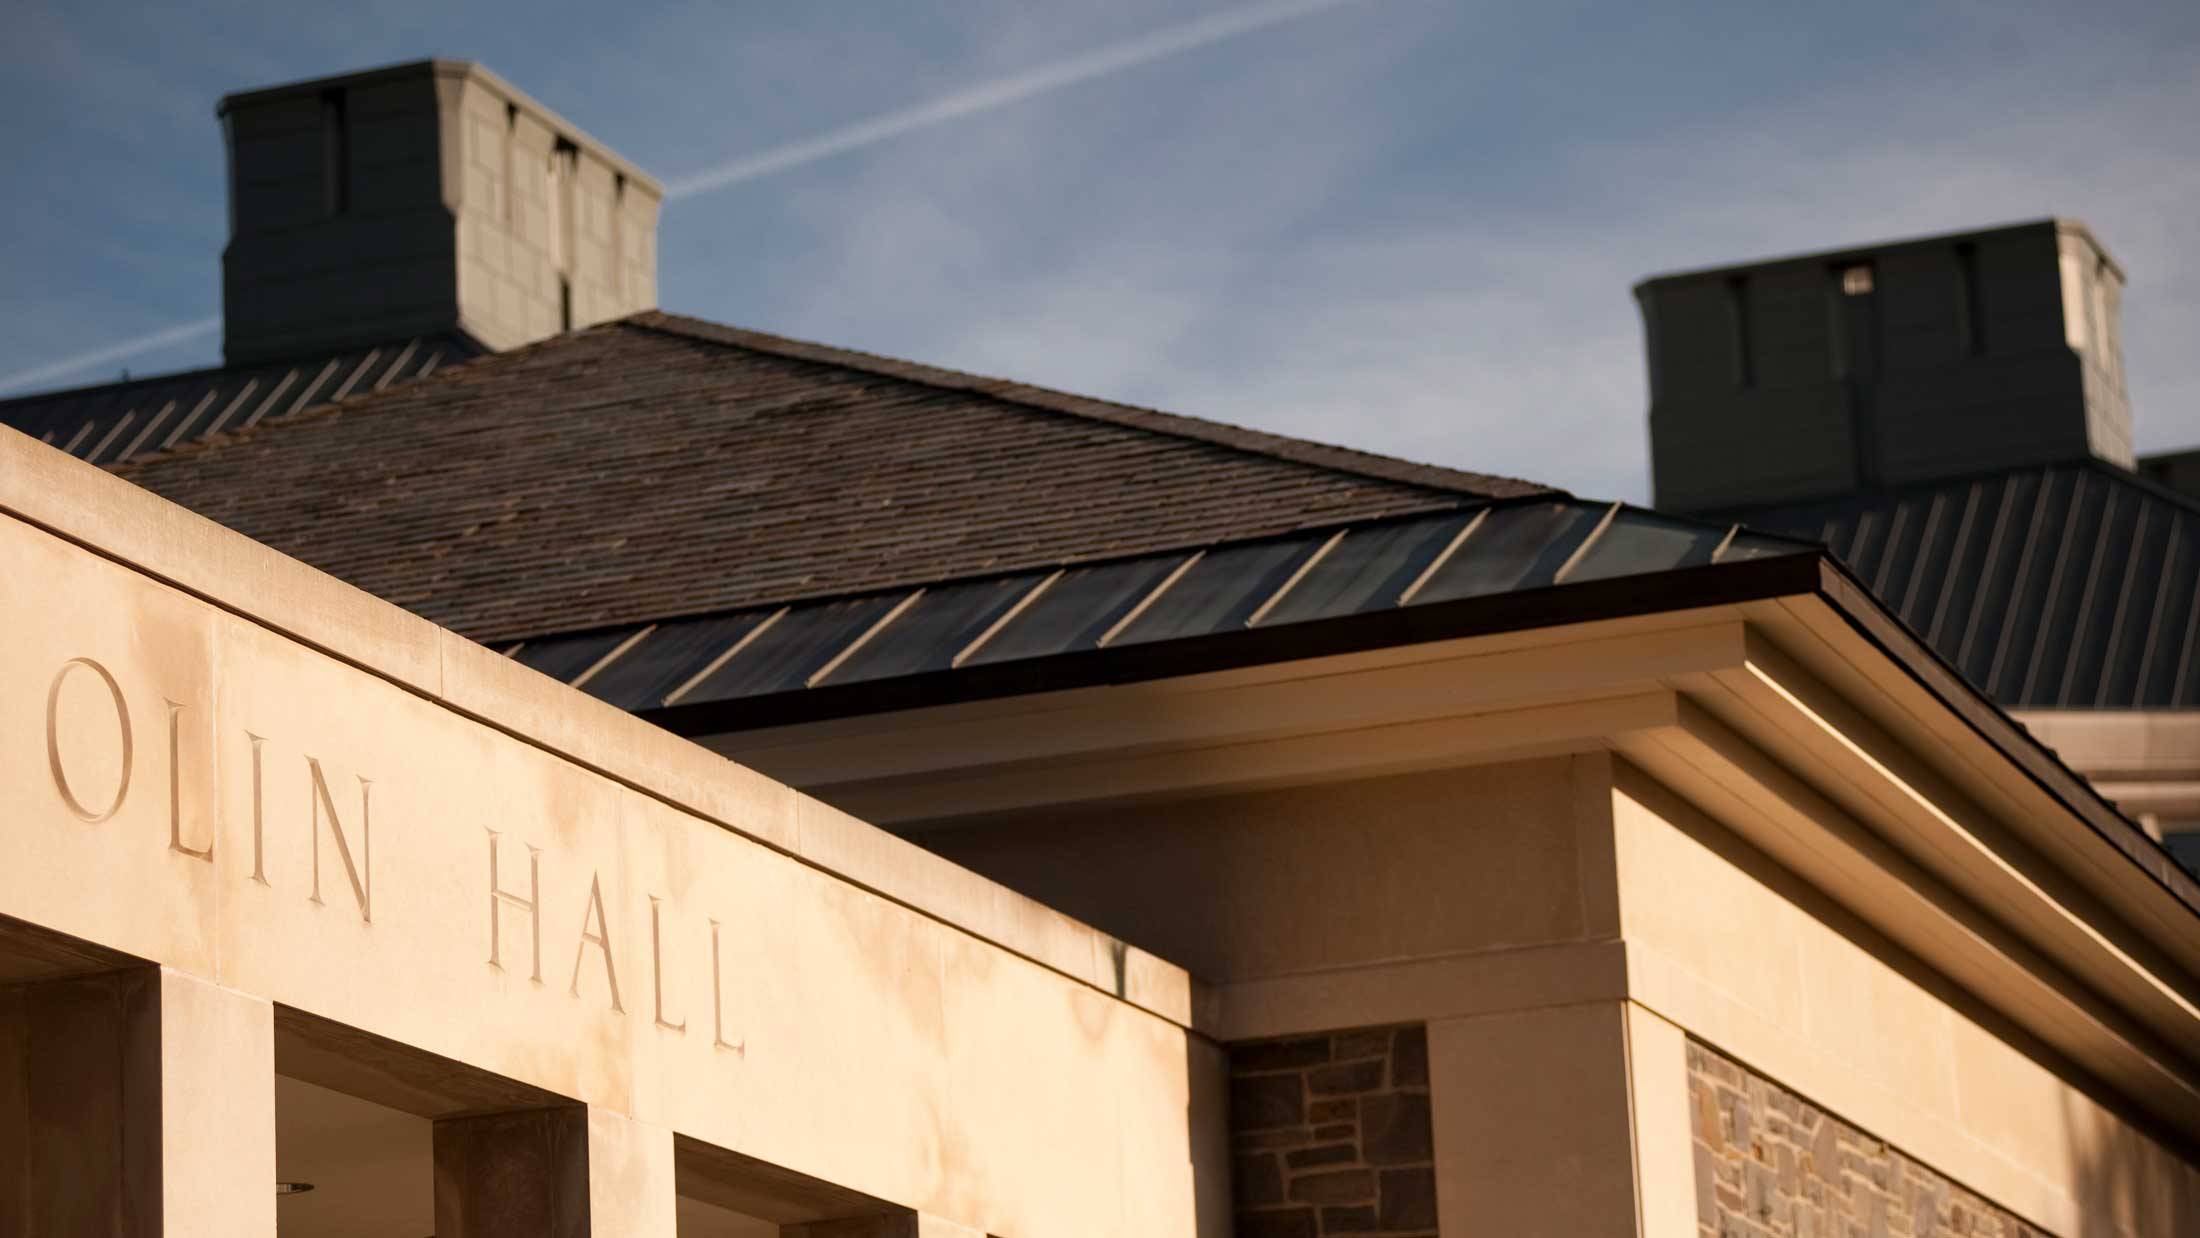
<point x="765" y="665"/>
<point x="2066" y="586"/>
<point x="659" y="467"/>
<point x="113" y="423"/>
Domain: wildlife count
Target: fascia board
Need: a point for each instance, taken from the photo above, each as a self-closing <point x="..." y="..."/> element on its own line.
<point x="1751" y="793"/>
<point x="1823" y="639"/>
<point x="1852" y="765"/>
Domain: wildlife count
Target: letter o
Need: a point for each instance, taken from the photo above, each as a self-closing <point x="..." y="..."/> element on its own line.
<point x="53" y="739"/>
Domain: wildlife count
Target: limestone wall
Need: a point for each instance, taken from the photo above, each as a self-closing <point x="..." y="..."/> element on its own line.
<point x="681" y="944"/>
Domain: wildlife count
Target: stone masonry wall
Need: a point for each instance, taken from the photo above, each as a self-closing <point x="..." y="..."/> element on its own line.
<point x="1771" y="1165"/>
<point x="1330" y="1135"/>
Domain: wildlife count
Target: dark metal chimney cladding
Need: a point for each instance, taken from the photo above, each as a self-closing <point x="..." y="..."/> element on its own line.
<point x="420" y="199"/>
<point x="1883" y="366"/>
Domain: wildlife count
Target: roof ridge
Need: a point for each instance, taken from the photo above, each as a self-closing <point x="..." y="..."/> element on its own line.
<point x="1299" y="451"/>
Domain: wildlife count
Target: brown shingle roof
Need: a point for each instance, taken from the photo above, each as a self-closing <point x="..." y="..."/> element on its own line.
<point x="661" y="466"/>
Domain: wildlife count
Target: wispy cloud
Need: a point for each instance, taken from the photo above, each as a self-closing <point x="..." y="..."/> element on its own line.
<point x="1000" y="92"/>
<point x="77" y="363"/>
<point x="985" y="96"/>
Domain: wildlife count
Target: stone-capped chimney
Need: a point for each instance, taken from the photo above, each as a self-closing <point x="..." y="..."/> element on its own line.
<point x="421" y="198"/>
<point x="1866" y="369"/>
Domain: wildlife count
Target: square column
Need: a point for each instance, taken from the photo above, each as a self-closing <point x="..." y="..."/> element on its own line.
<point x="1565" y="1120"/>
<point x="570" y="1172"/>
<point x="136" y="1104"/>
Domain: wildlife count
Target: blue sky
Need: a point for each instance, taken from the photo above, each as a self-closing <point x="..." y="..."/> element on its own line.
<point x="1406" y="225"/>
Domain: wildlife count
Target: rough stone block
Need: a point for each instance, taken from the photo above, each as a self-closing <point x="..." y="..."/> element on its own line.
<point x="1355" y="1219"/>
<point x="1343" y="1186"/>
<point x="1294" y="1223"/>
<point x="1256" y="1180"/>
<point x="1395" y="1130"/>
<point x="1264" y="1102"/>
<point x="1333" y="1111"/>
<point x="1375" y="1043"/>
<point x="1347" y="1077"/>
<point x="1326" y="1154"/>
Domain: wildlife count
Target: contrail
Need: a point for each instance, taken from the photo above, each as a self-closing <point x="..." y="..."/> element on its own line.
<point x="1000" y="92"/>
<point x="985" y="96"/>
<point x="112" y="352"/>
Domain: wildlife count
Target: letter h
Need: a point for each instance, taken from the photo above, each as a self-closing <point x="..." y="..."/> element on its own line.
<point x="498" y="896"/>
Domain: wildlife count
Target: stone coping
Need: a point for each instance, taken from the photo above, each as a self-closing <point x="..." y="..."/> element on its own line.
<point x="118" y="520"/>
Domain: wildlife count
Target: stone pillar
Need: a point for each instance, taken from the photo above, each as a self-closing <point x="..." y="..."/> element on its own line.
<point x="1563" y="1120"/>
<point x="136" y="1104"/>
<point x="571" y="1172"/>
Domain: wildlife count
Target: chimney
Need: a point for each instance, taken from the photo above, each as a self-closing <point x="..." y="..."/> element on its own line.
<point x="1868" y="369"/>
<point x="423" y="198"/>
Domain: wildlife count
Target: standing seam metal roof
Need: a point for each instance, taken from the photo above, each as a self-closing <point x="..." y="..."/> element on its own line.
<point x="2073" y="586"/>
<point x="1311" y="575"/>
<point x="114" y="423"/>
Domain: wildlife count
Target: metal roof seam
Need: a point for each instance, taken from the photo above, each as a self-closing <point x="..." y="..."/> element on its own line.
<point x="1442" y="557"/>
<point x="822" y="673"/>
<point x="2161" y="599"/>
<point x="2003" y="641"/>
<point x="611" y="655"/>
<point x="1153" y="595"/>
<point x="1718" y="552"/>
<point x="1580" y="552"/>
<point x="2043" y="630"/>
<point x="352" y="380"/>
<point x="1261" y="612"/>
<point x="2122" y="594"/>
<point x="121" y="423"/>
<point x="1003" y="619"/>
<point x="230" y="410"/>
<point x="184" y="425"/>
<point x="2082" y="617"/>
<point x="290" y="376"/>
<point x="159" y="415"/>
<point x="1956" y="552"/>
<point x="397" y="366"/>
<point x="711" y="667"/>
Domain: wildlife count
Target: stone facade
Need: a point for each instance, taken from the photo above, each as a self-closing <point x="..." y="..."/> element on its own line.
<point x="1330" y="1135"/>
<point x="1772" y="1165"/>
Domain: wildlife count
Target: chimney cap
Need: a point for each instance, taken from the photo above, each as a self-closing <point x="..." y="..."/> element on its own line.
<point x="2061" y="225"/>
<point x="441" y="67"/>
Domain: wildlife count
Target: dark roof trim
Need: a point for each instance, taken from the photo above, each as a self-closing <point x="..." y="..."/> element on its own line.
<point x="1612" y="598"/>
<point x="1276" y="446"/>
<point x="1812" y="573"/>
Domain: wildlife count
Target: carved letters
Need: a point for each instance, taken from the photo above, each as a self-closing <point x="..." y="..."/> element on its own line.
<point x="53" y="741"/>
<point x="532" y="904"/>
<point x="175" y="789"/>
<point x="362" y="874"/>
<point x="657" y="963"/>
<point x="353" y="843"/>
<point x="601" y="939"/>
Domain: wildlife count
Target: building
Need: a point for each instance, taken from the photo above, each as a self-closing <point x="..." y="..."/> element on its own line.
<point x="1135" y="825"/>
<point x="1950" y="416"/>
